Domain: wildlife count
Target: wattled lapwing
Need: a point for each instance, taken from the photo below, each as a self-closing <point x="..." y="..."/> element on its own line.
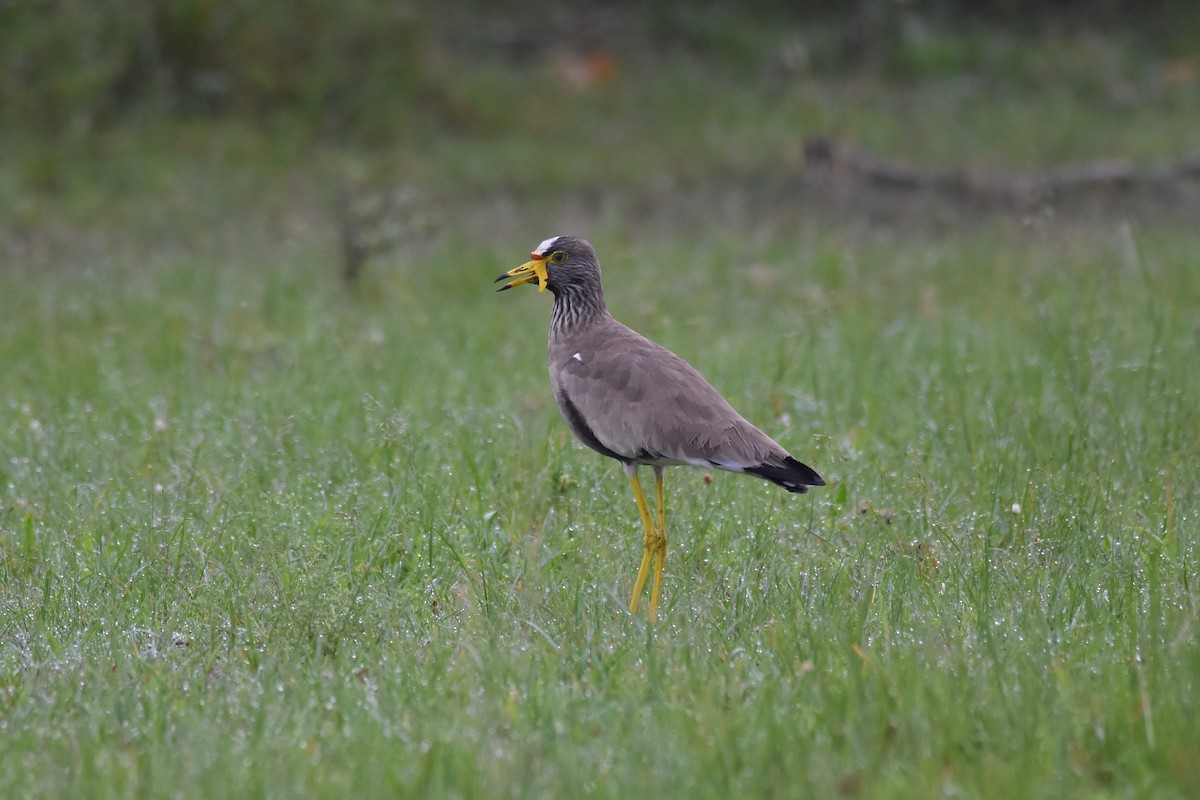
<point x="630" y="399"/>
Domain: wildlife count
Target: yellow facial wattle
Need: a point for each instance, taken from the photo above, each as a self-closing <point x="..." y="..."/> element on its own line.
<point x="528" y="272"/>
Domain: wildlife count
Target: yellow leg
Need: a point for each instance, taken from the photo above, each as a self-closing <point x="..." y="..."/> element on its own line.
<point x="649" y="541"/>
<point x="654" y="541"/>
<point x="661" y="550"/>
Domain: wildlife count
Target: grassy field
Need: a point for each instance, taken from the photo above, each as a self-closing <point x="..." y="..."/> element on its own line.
<point x="266" y="534"/>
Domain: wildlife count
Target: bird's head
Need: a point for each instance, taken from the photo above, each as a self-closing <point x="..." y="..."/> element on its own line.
<point x="556" y="262"/>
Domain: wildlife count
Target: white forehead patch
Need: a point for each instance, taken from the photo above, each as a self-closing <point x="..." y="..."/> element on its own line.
<point x="543" y="249"/>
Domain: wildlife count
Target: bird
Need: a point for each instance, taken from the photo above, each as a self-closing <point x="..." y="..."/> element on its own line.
<point x="635" y="401"/>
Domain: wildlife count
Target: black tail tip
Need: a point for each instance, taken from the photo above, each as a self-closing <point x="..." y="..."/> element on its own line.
<point x="792" y="475"/>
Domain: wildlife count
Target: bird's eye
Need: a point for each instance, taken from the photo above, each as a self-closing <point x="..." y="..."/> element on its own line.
<point x="558" y="257"/>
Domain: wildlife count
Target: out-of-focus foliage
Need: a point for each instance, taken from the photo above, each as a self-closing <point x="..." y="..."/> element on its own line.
<point x="371" y="68"/>
<point x="67" y="66"/>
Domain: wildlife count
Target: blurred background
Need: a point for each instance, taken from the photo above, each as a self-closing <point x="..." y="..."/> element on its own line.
<point x="132" y="129"/>
<point x="286" y="504"/>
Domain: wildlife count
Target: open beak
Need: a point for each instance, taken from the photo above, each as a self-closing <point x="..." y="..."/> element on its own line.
<point x="528" y="272"/>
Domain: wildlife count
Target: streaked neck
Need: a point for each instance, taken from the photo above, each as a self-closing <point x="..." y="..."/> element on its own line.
<point x="577" y="305"/>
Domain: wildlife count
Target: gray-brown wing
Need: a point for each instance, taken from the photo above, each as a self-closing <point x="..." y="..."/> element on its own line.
<point x="632" y="399"/>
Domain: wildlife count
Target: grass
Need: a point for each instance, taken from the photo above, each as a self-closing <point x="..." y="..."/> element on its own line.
<point x="263" y="534"/>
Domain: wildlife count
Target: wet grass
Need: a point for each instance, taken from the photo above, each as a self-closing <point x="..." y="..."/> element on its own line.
<point x="265" y="534"/>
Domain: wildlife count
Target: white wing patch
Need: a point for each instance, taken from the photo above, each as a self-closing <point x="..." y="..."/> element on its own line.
<point x="703" y="463"/>
<point x="731" y="466"/>
<point x="543" y="249"/>
<point x="578" y="358"/>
